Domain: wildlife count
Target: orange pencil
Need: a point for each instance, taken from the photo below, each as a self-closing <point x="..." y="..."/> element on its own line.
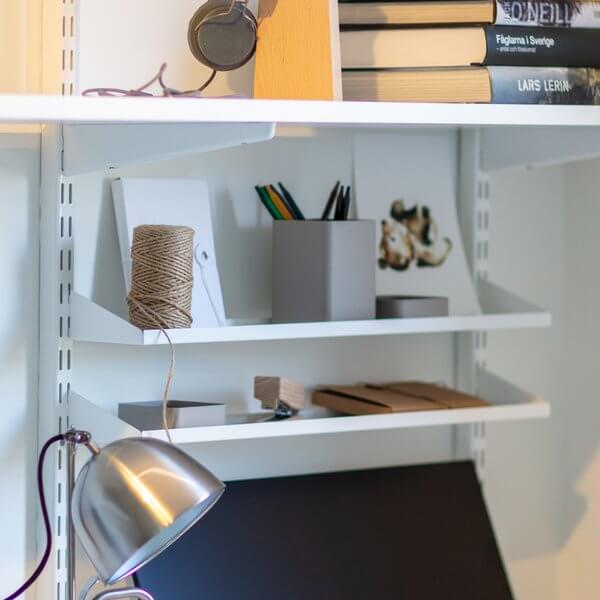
<point x="279" y="203"/>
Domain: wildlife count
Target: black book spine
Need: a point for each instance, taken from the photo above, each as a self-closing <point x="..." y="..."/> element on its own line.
<point x="522" y="85"/>
<point x="548" y="13"/>
<point x="542" y="47"/>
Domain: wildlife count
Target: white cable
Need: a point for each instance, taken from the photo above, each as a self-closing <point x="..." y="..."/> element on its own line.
<point x="203" y="260"/>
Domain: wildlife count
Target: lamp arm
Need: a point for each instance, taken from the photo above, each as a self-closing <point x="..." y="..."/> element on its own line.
<point x="73" y="439"/>
<point x="87" y="588"/>
<point x="124" y="593"/>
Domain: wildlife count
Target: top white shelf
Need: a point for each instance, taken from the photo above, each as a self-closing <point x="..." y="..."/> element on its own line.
<point x="83" y="110"/>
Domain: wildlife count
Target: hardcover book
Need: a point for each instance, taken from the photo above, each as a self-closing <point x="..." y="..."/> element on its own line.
<point x="545" y="86"/>
<point x="583" y="14"/>
<point x="548" y="13"/>
<point x="464" y="46"/>
<point x="416" y="12"/>
<point x="497" y="85"/>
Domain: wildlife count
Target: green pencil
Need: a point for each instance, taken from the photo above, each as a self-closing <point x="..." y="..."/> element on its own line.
<point x="268" y="203"/>
<point x="278" y="214"/>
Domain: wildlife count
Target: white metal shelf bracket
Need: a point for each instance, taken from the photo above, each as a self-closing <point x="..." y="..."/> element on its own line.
<point x="100" y="147"/>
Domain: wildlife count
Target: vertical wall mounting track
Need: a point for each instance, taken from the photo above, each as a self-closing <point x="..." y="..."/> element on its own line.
<point x="56" y="284"/>
<point x="471" y="348"/>
<point x="68" y="50"/>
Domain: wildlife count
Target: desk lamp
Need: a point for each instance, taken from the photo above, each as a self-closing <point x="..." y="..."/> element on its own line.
<point x="131" y="500"/>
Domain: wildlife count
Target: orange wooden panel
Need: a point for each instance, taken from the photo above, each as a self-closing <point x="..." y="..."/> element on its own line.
<point x="294" y="52"/>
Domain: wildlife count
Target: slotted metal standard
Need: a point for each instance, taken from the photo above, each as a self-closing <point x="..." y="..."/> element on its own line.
<point x="56" y="284"/>
<point x="471" y="348"/>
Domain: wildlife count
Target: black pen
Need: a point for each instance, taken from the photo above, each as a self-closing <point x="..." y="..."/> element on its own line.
<point x="339" y="207"/>
<point x="347" y="201"/>
<point x="329" y="205"/>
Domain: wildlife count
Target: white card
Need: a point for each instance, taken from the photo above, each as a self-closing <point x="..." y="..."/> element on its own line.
<point x="420" y="249"/>
<point x="185" y="202"/>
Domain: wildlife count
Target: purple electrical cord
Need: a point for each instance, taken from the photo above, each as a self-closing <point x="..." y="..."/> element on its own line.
<point x="46" y="556"/>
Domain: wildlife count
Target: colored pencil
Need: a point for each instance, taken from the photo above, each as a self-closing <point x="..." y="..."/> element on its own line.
<point x="294" y="208"/>
<point x="267" y="203"/>
<point x="269" y="198"/>
<point x="279" y="203"/>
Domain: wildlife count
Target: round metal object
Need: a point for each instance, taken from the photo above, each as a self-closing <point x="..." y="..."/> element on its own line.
<point x="134" y="499"/>
<point x="222" y="36"/>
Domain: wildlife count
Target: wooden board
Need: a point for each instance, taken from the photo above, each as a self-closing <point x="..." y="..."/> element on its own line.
<point x="297" y="56"/>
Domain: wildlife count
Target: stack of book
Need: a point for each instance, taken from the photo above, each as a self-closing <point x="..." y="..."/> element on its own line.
<point x="494" y="51"/>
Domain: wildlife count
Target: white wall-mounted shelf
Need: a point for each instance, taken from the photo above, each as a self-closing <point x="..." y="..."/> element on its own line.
<point x="103" y="133"/>
<point x="509" y="403"/>
<point x="87" y="110"/>
<point x="501" y="310"/>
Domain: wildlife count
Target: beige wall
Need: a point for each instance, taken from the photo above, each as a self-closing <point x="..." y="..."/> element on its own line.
<point x="20" y="46"/>
<point x="579" y="573"/>
<point x="19" y="224"/>
<point x="523" y="482"/>
<point x="20" y="72"/>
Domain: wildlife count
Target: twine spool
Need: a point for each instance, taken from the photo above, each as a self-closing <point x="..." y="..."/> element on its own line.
<point x="161" y="277"/>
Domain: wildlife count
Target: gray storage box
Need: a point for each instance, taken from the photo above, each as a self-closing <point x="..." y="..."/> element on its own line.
<point x="411" y="307"/>
<point x="147" y="416"/>
<point x="323" y="271"/>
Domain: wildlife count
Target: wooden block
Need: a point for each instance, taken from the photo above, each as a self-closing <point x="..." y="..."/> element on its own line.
<point x="298" y="50"/>
<point x="272" y="391"/>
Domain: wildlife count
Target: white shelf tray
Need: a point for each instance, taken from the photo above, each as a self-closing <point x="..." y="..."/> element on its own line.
<point x="85" y="110"/>
<point x="509" y="404"/>
<point x="501" y="310"/>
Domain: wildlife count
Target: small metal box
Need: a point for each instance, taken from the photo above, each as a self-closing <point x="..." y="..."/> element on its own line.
<point x="147" y="416"/>
<point x="411" y="307"/>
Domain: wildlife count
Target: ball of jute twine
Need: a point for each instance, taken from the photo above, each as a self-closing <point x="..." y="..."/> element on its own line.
<point x="161" y="277"/>
<point x="161" y="286"/>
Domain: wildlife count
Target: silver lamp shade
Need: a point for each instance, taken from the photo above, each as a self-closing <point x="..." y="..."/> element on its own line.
<point x="133" y="499"/>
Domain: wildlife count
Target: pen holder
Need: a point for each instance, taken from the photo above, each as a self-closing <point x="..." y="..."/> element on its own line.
<point x="323" y="271"/>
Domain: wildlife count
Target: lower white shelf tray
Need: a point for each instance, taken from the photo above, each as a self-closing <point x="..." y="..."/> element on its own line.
<point x="509" y="403"/>
<point x="500" y="310"/>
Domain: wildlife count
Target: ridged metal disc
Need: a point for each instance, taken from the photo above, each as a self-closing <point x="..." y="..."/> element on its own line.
<point x="223" y="39"/>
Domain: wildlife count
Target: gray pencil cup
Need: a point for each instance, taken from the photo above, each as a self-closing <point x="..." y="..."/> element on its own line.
<point x="323" y="271"/>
